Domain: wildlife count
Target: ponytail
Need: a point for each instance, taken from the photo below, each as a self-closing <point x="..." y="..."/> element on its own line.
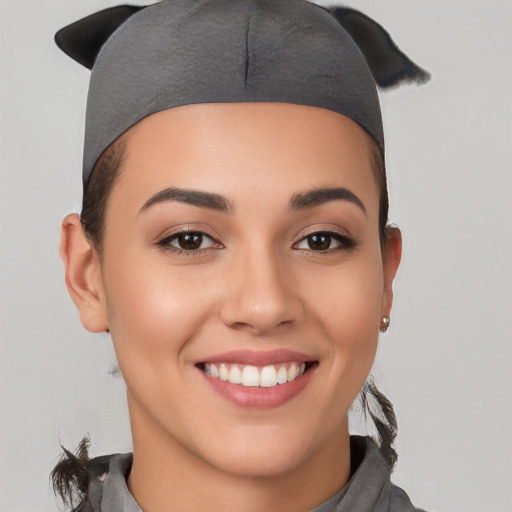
<point x="378" y="407"/>
<point x="69" y="477"/>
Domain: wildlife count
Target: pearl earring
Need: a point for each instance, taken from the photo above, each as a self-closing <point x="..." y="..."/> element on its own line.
<point x="384" y="324"/>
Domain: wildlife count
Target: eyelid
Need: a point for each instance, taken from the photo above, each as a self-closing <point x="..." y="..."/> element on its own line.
<point x="322" y="228"/>
<point x="187" y="228"/>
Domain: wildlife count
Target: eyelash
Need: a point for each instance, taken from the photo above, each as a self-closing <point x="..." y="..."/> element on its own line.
<point x="165" y="243"/>
<point x="346" y="243"/>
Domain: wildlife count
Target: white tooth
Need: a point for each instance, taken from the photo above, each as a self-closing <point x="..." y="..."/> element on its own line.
<point x="235" y="375"/>
<point x="293" y="372"/>
<point x="214" y="371"/>
<point x="268" y="377"/>
<point x="250" y="376"/>
<point x="206" y="369"/>
<point x="302" y="368"/>
<point x="223" y="372"/>
<point x="282" y="375"/>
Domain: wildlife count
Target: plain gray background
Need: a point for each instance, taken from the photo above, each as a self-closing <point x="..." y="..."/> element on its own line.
<point x="446" y="361"/>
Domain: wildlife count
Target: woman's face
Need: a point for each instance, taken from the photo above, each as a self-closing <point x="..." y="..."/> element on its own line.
<point x="241" y="237"/>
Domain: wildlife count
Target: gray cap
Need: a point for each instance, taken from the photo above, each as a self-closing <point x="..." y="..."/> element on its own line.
<point x="179" y="52"/>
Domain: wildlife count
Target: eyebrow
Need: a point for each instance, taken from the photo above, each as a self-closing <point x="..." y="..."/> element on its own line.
<point x="212" y="201"/>
<point x="321" y="196"/>
<point x="188" y="196"/>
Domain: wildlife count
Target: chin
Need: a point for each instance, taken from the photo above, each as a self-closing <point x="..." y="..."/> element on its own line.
<point x="270" y="462"/>
<point x="262" y="451"/>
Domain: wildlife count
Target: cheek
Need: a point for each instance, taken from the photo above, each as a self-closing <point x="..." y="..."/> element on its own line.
<point x="348" y="306"/>
<point x="152" y="311"/>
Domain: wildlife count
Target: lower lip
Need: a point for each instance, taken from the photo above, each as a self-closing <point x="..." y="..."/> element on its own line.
<point x="258" y="397"/>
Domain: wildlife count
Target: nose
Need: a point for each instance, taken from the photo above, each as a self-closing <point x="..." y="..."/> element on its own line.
<point x="261" y="294"/>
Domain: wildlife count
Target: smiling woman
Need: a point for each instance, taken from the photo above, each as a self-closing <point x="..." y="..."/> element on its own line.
<point x="234" y="242"/>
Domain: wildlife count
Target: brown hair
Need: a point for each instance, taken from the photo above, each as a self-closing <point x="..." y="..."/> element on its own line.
<point x="379" y="174"/>
<point x="95" y="199"/>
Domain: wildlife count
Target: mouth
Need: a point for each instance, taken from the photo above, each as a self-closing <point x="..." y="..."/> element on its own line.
<point x="268" y="376"/>
<point x="261" y="380"/>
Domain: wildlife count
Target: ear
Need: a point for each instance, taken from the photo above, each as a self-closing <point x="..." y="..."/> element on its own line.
<point x="391" y="260"/>
<point x="83" y="39"/>
<point x="83" y="274"/>
<point x="389" y="65"/>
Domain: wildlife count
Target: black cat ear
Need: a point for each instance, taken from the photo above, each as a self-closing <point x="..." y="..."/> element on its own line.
<point x="389" y="65"/>
<point x="83" y="39"/>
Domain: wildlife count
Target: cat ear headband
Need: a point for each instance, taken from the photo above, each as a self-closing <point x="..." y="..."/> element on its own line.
<point x="178" y="52"/>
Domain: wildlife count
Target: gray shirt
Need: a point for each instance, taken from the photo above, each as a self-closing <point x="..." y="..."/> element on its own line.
<point x="368" y="490"/>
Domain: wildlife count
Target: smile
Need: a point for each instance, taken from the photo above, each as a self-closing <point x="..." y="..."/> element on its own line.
<point x="258" y="380"/>
<point x="254" y="376"/>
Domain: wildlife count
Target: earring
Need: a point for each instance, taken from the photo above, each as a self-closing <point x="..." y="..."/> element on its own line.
<point x="384" y="324"/>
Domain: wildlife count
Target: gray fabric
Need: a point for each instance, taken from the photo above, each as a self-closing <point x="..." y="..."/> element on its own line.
<point x="107" y="489"/>
<point x="368" y="490"/>
<point x="332" y="503"/>
<point x="180" y="52"/>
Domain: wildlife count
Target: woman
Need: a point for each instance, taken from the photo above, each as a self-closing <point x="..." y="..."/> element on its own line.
<point x="234" y="242"/>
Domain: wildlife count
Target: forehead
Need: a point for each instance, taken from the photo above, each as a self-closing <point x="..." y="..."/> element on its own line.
<point x="237" y="148"/>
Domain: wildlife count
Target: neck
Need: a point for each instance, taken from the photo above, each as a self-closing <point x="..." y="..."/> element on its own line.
<point x="166" y="476"/>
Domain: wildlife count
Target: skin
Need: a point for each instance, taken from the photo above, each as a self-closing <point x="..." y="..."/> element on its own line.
<point x="257" y="286"/>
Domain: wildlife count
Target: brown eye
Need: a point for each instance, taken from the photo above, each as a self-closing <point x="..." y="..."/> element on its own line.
<point x="319" y="242"/>
<point x="324" y="241"/>
<point x="188" y="241"/>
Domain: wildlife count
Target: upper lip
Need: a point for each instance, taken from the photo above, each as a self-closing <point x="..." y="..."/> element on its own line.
<point x="258" y="357"/>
